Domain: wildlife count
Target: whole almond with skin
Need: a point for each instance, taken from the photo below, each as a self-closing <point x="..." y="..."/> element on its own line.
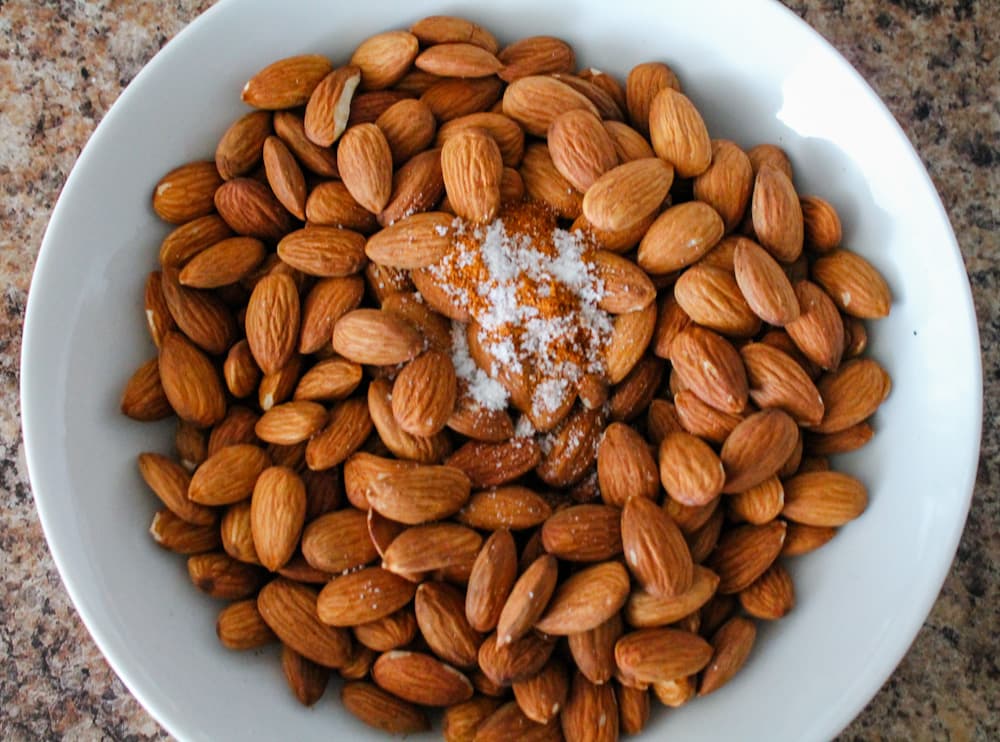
<point x="327" y="301"/>
<point x="367" y="107"/>
<point x="723" y="255"/>
<point x="654" y="655"/>
<point x="169" y="481"/>
<point x="347" y="428"/>
<point x="771" y="596"/>
<point x="435" y="328"/>
<point x="510" y="507"/>
<point x="286" y="83"/>
<point x="744" y="554"/>
<point x="731" y="647"/>
<point x="362" y="471"/>
<point x="690" y="470"/>
<point x="424" y="393"/>
<point x="384" y="58"/>
<point x="359" y="666"/>
<point x="365" y="164"/>
<point x="490" y="582"/>
<point x="440" y="611"/>
<point x="290" y="423"/>
<point x="645" y="610"/>
<point x="458" y="59"/>
<point x="712" y="298"/>
<point x="487" y="687"/>
<point x="327" y="252"/>
<point x="655" y="550"/>
<point x="630" y="337"/>
<point x="626" y="287"/>
<point x="619" y="241"/>
<point x="628" y="194"/>
<point x="417" y="186"/>
<point x="319" y="160"/>
<point x="794" y="462"/>
<point x="777" y="216"/>
<point x="542" y="182"/>
<point x="583" y="533"/>
<point x="678" y="133"/>
<point x="250" y="209"/>
<point x="515" y="661"/>
<point x="843" y="441"/>
<point x="769" y="154"/>
<point x="239" y="149"/>
<point x="423" y="449"/>
<point x="581" y="149"/>
<point x="431" y="546"/>
<point x="527" y="600"/>
<point x="228" y="475"/>
<point x="661" y="420"/>
<point x="509" y="722"/>
<point x="186" y="192"/>
<point x="778" y="381"/>
<point x="759" y="504"/>
<point x="764" y="284"/>
<point x="593" y="651"/>
<point x="757" y="448"/>
<point x="187" y="240"/>
<point x="635" y="392"/>
<point x="586" y="600"/>
<point x="821" y="224"/>
<point x="190" y="382"/>
<point x="573" y="449"/>
<point x="472" y="169"/>
<point x="277" y="513"/>
<point x="671" y="320"/>
<point x="277" y="387"/>
<point x="382" y="710"/>
<point x="330" y="204"/>
<point x="338" y="541"/>
<point x="420" y="678"/>
<point x="143" y="397"/>
<point x="494" y="464"/>
<point x="409" y="128"/>
<point x="701" y="419"/>
<point x="416" y="241"/>
<point x="853" y="284"/>
<point x="371" y="336"/>
<point x="237" y="533"/>
<point x="240" y="626"/>
<point x="633" y="708"/>
<point x="629" y="144"/>
<point x="819" y="330"/>
<point x="644" y="81"/>
<point x="607" y="106"/>
<point x="535" y="55"/>
<point x="236" y="427"/>
<point x="824" y="498"/>
<point x="801" y="539"/>
<point x="329" y="105"/>
<point x="453" y="98"/>
<point x="535" y="101"/>
<point x="272" y="321"/>
<point x="712" y="368"/>
<point x="679" y="237"/>
<point x="223" y="263"/>
<point x="177" y="535"/>
<point x="625" y="467"/>
<point x="219" y="576"/>
<point x="306" y="679"/>
<point x="363" y="596"/>
<point x="479" y="423"/>
<point x="542" y="697"/>
<point x="419" y="494"/>
<point x="389" y="632"/>
<point x="855" y="337"/>
<point x="508" y="135"/>
<point x="445" y="29"/>
<point x="460" y="721"/>
<point x="727" y="184"/>
<point x="591" y="712"/>
<point x="607" y="82"/>
<point x="203" y="317"/>
<point x="704" y="540"/>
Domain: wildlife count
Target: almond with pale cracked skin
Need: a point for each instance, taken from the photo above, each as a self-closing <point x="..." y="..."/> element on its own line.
<point x="764" y="284"/>
<point x="542" y="182"/>
<point x="853" y="284"/>
<point x="583" y="533"/>
<point x="175" y="534"/>
<point x="458" y="59"/>
<point x="446" y="29"/>
<point x="581" y="149"/>
<point x="239" y="150"/>
<point x="655" y="550"/>
<point x="223" y="263"/>
<point x="384" y="58"/>
<point x="423" y="449"/>
<point x="852" y="394"/>
<point x="277" y="387"/>
<point x="219" y="576"/>
<point x="169" y="481"/>
<point x="363" y="596"/>
<point x="186" y="192"/>
<point x="320" y="160"/>
<point x="382" y="710"/>
<point x="240" y="626"/>
<point x="655" y="655"/>
<point x="329" y="105"/>
<point x="251" y="209"/>
<point x="409" y="128"/>
<point x="527" y="600"/>
<point x="512" y="662"/>
<point x="272" y="322"/>
<point x="727" y="184"/>
<point x="777" y="215"/>
<point x="757" y="448"/>
<point x="425" y="548"/>
<point x="744" y="553"/>
<point x="626" y="287"/>
<point x="661" y="420"/>
<point x="607" y="107"/>
<point x="338" y="541"/>
<point x="711" y="368"/>
<point x="203" y="317"/>
<point x="535" y="101"/>
<point x="819" y="331"/>
<point x="326" y="252"/>
<point x="190" y="382"/>
<point x="678" y="133"/>
<point x="625" y="467"/>
<point x="630" y="337"/>
<point x="508" y="135"/>
<point x="628" y="194"/>
<point x="371" y="336"/>
<point x="420" y="678"/>
<point x="286" y="83"/>
<point x="591" y="712"/>
<point x="731" y="646"/>
<point x="237" y="533"/>
<point x="712" y="298"/>
<point x="347" y="428"/>
<point x="330" y="204"/>
<point x="690" y="470"/>
<point x="679" y="237"/>
<point x="593" y="650"/>
<point x="452" y="99"/>
<point x="440" y="611"/>
<point x="494" y="464"/>
<point x="771" y="596"/>
<point x="277" y="514"/>
<point x="824" y="498"/>
<point x="509" y="722"/>
<point x="543" y="696"/>
<point x="759" y="504"/>
<point x="776" y="380"/>
<point x="802" y="539"/>
<point x="643" y="83"/>
<point x="843" y="441"/>
<point x="645" y="610"/>
<point x="821" y="223"/>
<point x="143" y="397"/>
<point x="491" y="580"/>
<point x="460" y="721"/>
<point x="415" y="241"/>
<point x="190" y="238"/>
<point x="228" y="475"/>
<point x="629" y="144"/>
<point x="509" y="507"/>
<point x="365" y="164"/>
<point x="535" y="55"/>
<point x="389" y="632"/>
<point x="472" y="169"/>
<point x="419" y="494"/>
<point x="306" y="679"/>
<point x="586" y="600"/>
<point x="327" y="301"/>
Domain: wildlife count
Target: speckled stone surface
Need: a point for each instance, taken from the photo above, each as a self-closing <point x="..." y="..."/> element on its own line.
<point x="62" y="64"/>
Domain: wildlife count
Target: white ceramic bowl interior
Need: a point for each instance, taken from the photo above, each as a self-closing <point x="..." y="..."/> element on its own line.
<point x="758" y="74"/>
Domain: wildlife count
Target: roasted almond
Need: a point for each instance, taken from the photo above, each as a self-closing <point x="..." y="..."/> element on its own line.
<point x="645" y="610"/>
<point x="460" y="721"/>
<point x="678" y="133"/>
<point x="776" y="380"/>
<point x="819" y="331"/>
<point x="347" y="428"/>
<point x="203" y="317"/>
<point x="591" y="712"/>
<point x="409" y="128"/>
<point x="272" y="321"/>
<point x="581" y="149"/>
<point x="440" y="611"/>
<point x="251" y="209"/>
<point x="527" y="600"/>
<point x="535" y="55"/>
<point x="744" y="554"/>
<point x="583" y="533"/>
<point x="186" y="192"/>
<point x="432" y="546"/>
<point x="286" y="83"/>
<point x="277" y="513"/>
<point x="330" y="204"/>
<point x="543" y="182"/>
<point x="625" y="467"/>
<point x="824" y="498"/>
<point x="512" y="662"/>
<point x="329" y="105"/>
<point x="143" y="397"/>
<point x="759" y="504"/>
<point x="627" y="194"/>
<point x="175" y="534"/>
<point x="320" y="160"/>
<point x="239" y="150"/>
<point x="454" y="98"/>
<point x="170" y="482"/>
<point x="822" y="224"/>
<point x="444" y="29"/>
<point x="644" y="81"/>
<point x="228" y="475"/>
<point x="535" y="101"/>
<point x="853" y="284"/>
<point x="679" y="237"/>
<point x="509" y="507"/>
<point x="326" y="252"/>
<point x="338" y="541"/>
<point x="327" y="301"/>
<point x="219" y="576"/>
<point x="586" y="599"/>
<point x="757" y="448"/>
<point x="240" y="626"/>
<point x="771" y="596"/>
<point x="190" y="382"/>
<point x="655" y="550"/>
<point x="384" y="58"/>
<point x="542" y="697"/>
<point x="764" y="284"/>
<point x="731" y="646"/>
<point x="382" y="710"/>
<point x="712" y="368"/>
<point x="712" y="298"/>
<point x="374" y="337"/>
<point x="690" y="470"/>
<point x="777" y="216"/>
<point x="419" y="494"/>
<point x="420" y="678"/>
<point x="654" y="655"/>
<point x="472" y="168"/>
<point x="363" y="596"/>
<point x="727" y="183"/>
<point x="494" y="464"/>
<point x="490" y="582"/>
<point x="306" y="679"/>
<point x="509" y="722"/>
<point x="365" y="164"/>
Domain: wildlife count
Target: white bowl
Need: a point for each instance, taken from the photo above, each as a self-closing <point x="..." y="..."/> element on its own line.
<point x="758" y="74"/>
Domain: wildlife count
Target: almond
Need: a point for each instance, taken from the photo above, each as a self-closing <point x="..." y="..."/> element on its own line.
<point x="435" y="328"/>
<point x="338" y="541"/>
<point x="629" y="144"/>
<point x="277" y="387"/>
<point x="629" y="339"/>
<point x="424" y="449"/>
<point x="727" y="184"/>
<point x="327" y="252"/>
<point x="581" y="149"/>
<point x="661" y="420"/>
<point x="444" y="29"/>
<point x="440" y="611"/>
<point x="419" y="494"/>
<point x="542" y="697"/>
<point x="633" y="708"/>
<point x="731" y="646"/>
<point x="460" y="721"/>
<point x="219" y="576"/>
<point x="175" y="534"/>
<point x="644" y="81"/>
<point x="389" y="632"/>
<point x="535" y="101"/>
<point x="186" y="192"/>
<point x="472" y="168"/>
<point x="384" y="58"/>
<point x="432" y="546"/>
<point x="594" y="650"/>
<point x="347" y="428"/>
<point x="607" y="82"/>
<point x="508" y="135"/>
<point x="853" y="284"/>
<point x="819" y="330"/>
<point x="382" y="710"/>
<point x="527" y="600"/>
<point x="409" y="128"/>
<point x="479" y="423"/>
<point x="490" y="582"/>
<point x="627" y="194"/>
<point x="187" y="240"/>
<point x="324" y="492"/>
<point x="671" y="320"/>
<point x="583" y="533"/>
<point x="626" y="287"/>
<point x="655" y="550"/>
<point x="361" y="472"/>
<point x="415" y="241"/>
<point x="591" y="712"/>
<point x="454" y="98"/>
<point x="458" y="59"/>
<point x="542" y="182"/>
<point x="363" y="596"/>
<point x="769" y="154"/>
<point x="306" y="679"/>
<point x="418" y="677"/>
<point x="272" y="322"/>
<point x="757" y="448"/>
<point x="169" y="481"/>
<point x="678" y="133"/>
<point x="607" y="106"/>
<point x="512" y="506"/>
<point x="236" y="427"/>
<point x="771" y="596"/>
<point x="778" y="381"/>
<point x="824" y="498"/>
<point x="679" y="237"/>
<point x="801" y="539"/>
<point x="509" y="722"/>
<point x="239" y="150"/>
<point x="241" y="627"/>
<point x="704" y="540"/>
<point x="573" y="448"/>
<point x="586" y="600"/>
<point x="712" y="368"/>
<point x="202" y="316"/>
<point x="843" y="441"/>
<point x="759" y="504"/>
<point x="777" y="216"/>
<point x="634" y="393"/>
<point x="764" y="284"/>
<point x="821" y="224"/>
<point x="327" y="301"/>
<point x="320" y="160"/>
<point x="423" y="395"/>
<point x="645" y="610"/>
<point x="190" y="382"/>
<point x="143" y="397"/>
<point x="535" y="55"/>
<point x="365" y="164"/>
<point x="223" y="263"/>
<point x="329" y="105"/>
<point x="514" y="661"/>
<point x="286" y="83"/>
<point x="371" y="336"/>
<point x="228" y="475"/>
<point x="330" y="204"/>
<point x="277" y="513"/>
<point x="367" y="107"/>
<point x="655" y="655"/>
<point x="689" y="469"/>
<point x="290" y="423"/>
<point x="290" y="610"/>
<point x="625" y="467"/>
<point x="703" y="420"/>
<point x="250" y="209"/>
<point x="744" y="554"/>
<point x="493" y="464"/>
<point x="712" y="298"/>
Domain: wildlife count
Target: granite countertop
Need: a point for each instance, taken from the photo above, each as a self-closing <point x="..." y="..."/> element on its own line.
<point x="62" y="65"/>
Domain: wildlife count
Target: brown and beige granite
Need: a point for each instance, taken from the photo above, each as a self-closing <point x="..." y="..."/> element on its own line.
<point x="63" y="63"/>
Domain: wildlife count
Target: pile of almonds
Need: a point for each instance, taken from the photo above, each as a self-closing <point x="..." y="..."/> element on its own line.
<point x="335" y="483"/>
